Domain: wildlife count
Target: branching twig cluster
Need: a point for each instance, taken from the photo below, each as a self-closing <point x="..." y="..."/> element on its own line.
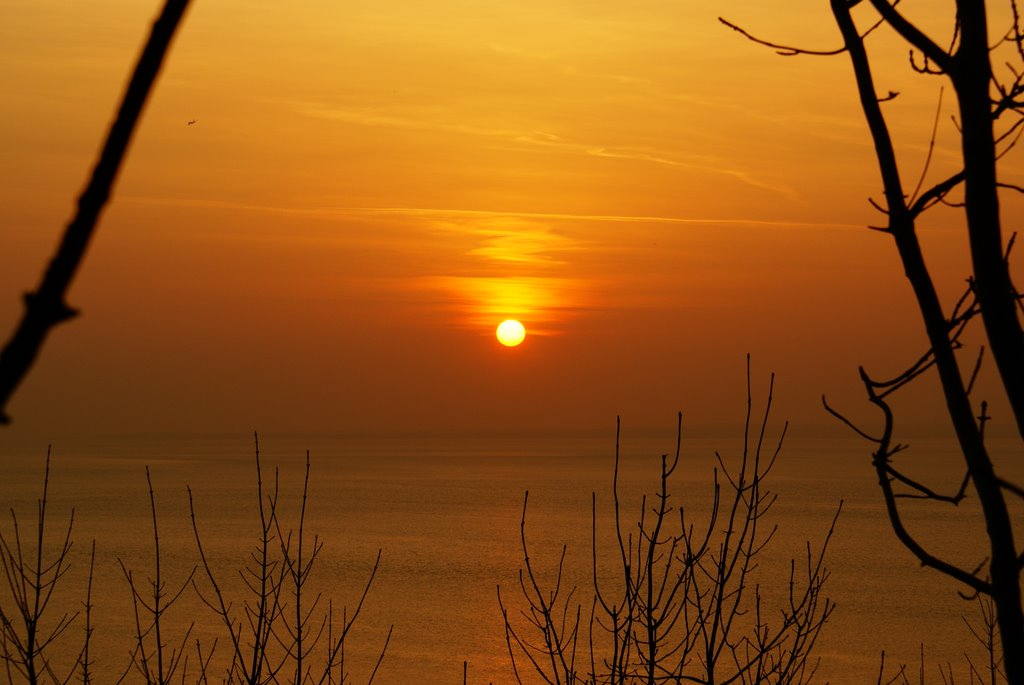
<point x="278" y="633"/>
<point x="985" y="631"/>
<point x="151" y="601"/>
<point x="29" y="639"/>
<point x="685" y="603"/>
<point x="274" y="636"/>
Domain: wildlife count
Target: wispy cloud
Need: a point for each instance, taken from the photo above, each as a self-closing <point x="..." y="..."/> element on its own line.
<point x="601" y="218"/>
<point x="516" y="241"/>
<point x="437" y="119"/>
<point x="511" y="267"/>
<point x="480" y="266"/>
<point x="339" y="211"/>
<point x="427" y="119"/>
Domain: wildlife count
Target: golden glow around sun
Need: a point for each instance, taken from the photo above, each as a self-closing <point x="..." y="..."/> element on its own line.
<point x="510" y="333"/>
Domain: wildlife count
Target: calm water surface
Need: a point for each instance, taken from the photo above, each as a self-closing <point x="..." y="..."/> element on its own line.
<point x="445" y="514"/>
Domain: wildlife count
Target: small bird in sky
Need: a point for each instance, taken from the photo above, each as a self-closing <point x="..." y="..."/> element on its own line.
<point x="192" y="121"/>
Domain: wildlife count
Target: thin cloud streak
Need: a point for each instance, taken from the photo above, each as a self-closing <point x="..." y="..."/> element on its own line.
<point x="603" y="218"/>
<point x="539" y="139"/>
<point x="322" y="211"/>
<point x="654" y="156"/>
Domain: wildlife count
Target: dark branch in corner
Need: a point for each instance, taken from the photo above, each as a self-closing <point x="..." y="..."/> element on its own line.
<point x="45" y="308"/>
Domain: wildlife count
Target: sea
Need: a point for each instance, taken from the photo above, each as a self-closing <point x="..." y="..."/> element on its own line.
<point x="448" y="516"/>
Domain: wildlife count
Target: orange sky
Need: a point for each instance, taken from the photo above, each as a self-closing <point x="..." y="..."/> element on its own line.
<point x="371" y="187"/>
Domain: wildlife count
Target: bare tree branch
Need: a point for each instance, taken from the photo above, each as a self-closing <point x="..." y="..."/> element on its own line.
<point x="790" y="51"/>
<point x="46" y="307"/>
<point x="913" y="35"/>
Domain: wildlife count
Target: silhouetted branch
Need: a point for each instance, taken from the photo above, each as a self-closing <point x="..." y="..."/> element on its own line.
<point x="150" y="657"/>
<point x="937" y="193"/>
<point x="85" y="659"/>
<point x="931" y="149"/>
<point x="790" y="51"/>
<point x="263" y="578"/>
<point x="684" y="606"/>
<point x="31" y="577"/>
<point x="271" y="641"/>
<point x="298" y="640"/>
<point x="881" y="462"/>
<point x="850" y="424"/>
<point x="912" y="34"/>
<point x="45" y="308"/>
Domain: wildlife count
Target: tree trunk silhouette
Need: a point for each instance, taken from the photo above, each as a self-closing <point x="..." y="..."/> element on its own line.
<point x="991" y="294"/>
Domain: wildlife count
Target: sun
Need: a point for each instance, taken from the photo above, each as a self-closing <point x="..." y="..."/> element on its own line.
<point x="510" y="333"/>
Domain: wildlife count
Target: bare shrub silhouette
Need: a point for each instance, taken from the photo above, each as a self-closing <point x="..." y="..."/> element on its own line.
<point x="984" y="628"/>
<point x="987" y="126"/>
<point x="280" y="632"/>
<point x="684" y="603"/>
<point x="45" y="307"/>
<point x="272" y="641"/>
<point x="28" y="638"/>
<point x="151" y="659"/>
